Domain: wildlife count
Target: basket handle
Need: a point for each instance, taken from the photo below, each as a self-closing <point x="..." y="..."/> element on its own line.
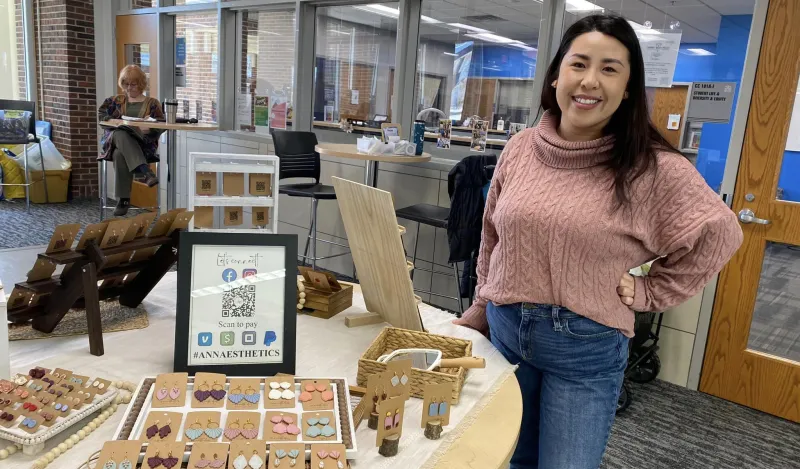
<point x="466" y="362"/>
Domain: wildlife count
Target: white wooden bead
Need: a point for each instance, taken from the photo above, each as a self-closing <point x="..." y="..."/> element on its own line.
<point x="92" y="426"/>
<point x="62" y="447"/>
<point x="126" y="399"/>
<point x="40" y="464"/>
<point x="75" y="439"/>
<point x="81" y="434"/>
<point x="12" y="449"/>
<point x="49" y="456"/>
<point x="302" y="295"/>
<point x="56" y="452"/>
<point x="68" y="444"/>
<point x="3" y="454"/>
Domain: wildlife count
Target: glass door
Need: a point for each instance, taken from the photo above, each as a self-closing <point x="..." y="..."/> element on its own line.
<point x="753" y="351"/>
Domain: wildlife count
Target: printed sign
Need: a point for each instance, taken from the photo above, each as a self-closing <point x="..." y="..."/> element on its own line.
<point x="233" y="302"/>
<point x="261" y="114"/>
<point x="711" y="101"/>
<point x="660" y="53"/>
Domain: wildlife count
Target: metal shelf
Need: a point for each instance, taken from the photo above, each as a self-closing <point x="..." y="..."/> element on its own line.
<point x="232" y="201"/>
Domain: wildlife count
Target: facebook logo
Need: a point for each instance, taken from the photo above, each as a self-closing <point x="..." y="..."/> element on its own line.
<point x="204" y="339"/>
<point x="228" y="275"/>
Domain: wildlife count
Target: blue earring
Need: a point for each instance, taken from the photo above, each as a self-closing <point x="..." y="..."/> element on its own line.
<point x="442" y="408"/>
<point x="432" y="409"/>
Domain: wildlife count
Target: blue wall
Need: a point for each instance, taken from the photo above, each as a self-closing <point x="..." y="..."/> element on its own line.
<point x="502" y="62"/>
<point x="789" y="180"/>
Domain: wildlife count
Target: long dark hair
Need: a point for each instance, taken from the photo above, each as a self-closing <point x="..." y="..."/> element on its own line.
<point x="637" y="141"/>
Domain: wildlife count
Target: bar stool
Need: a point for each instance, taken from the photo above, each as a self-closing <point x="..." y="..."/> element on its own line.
<point x="103" y="170"/>
<point x="298" y="159"/>
<point x="435" y="216"/>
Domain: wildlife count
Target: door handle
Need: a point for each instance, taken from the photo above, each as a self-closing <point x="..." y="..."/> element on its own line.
<point x="747" y="216"/>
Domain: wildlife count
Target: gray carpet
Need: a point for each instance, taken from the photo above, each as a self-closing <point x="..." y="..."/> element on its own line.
<point x="668" y="426"/>
<point x="18" y="228"/>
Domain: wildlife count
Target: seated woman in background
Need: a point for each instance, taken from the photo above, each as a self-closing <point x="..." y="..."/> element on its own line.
<point x="131" y="149"/>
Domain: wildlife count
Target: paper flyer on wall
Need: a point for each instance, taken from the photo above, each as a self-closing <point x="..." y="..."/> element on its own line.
<point x="660" y="53"/>
<point x="261" y="114"/>
<point x="479" y="131"/>
<point x="278" y="112"/>
<point x="445" y="130"/>
<point x="244" y="109"/>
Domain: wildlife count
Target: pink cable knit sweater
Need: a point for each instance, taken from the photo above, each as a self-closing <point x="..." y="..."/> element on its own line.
<point x="551" y="233"/>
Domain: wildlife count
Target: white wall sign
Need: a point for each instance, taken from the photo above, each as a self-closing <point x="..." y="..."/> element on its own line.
<point x="660" y="52"/>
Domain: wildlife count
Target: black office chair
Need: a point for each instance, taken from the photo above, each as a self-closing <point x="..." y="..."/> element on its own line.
<point x="299" y="159"/>
<point x="30" y="106"/>
<point x="435" y="216"/>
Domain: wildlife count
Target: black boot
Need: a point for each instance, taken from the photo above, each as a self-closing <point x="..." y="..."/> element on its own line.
<point x="150" y="178"/>
<point x="122" y="207"/>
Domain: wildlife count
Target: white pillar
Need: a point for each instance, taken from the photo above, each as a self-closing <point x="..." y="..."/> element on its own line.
<point x="5" y="363"/>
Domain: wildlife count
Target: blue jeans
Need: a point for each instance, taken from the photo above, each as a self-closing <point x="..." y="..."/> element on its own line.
<point x="570" y="372"/>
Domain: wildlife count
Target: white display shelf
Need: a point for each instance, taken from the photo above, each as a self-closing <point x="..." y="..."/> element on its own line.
<point x="200" y="162"/>
<point x="232" y="201"/>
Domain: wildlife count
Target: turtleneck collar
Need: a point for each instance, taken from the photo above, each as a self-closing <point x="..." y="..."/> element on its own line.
<point x="556" y="152"/>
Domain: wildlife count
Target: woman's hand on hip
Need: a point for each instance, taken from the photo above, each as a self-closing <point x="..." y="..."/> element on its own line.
<point x="626" y="289"/>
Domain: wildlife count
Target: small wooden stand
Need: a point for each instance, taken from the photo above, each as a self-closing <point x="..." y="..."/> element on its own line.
<point x="372" y="423"/>
<point x="433" y="430"/>
<point x="390" y="446"/>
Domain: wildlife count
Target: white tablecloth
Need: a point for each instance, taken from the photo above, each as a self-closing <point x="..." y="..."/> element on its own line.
<point x="132" y="355"/>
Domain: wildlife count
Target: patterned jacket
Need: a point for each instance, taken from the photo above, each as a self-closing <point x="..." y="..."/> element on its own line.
<point x="114" y="108"/>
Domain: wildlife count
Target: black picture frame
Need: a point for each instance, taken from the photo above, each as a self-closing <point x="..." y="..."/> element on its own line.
<point x="188" y="240"/>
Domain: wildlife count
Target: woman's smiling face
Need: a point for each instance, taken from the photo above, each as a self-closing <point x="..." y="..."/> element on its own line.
<point x="592" y="82"/>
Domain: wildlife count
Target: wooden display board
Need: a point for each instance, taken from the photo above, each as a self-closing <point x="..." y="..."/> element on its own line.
<point x="377" y="249"/>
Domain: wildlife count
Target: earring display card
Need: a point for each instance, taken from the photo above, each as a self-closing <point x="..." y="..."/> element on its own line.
<point x="316" y="394"/>
<point x="233" y="216"/>
<point x="287" y="455"/>
<point x="161" y="426"/>
<point x="328" y="456"/>
<point x="143" y="222"/>
<point x="399" y="373"/>
<point x="61" y="374"/>
<point x="260" y="184"/>
<point x="162" y="455"/>
<point x="181" y="222"/>
<point x="436" y="404"/>
<point x="99" y="386"/>
<point x="208" y="455"/>
<point x="241" y="426"/>
<point x="377" y="392"/>
<point x="390" y="418"/>
<point x="63" y="237"/>
<point x="281" y="426"/>
<point x="42" y="269"/>
<point x="78" y="380"/>
<point x="118" y="452"/>
<point x="206" y="183"/>
<point x="201" y="426"/>
<point x="279" y="392"/>
<point x="251" y="454"/>
<point x="169" y="390"/>
<point x="244" y="394"/>
<point x="232" y="184"/>
<point x="318" y="426"/>
<point x="14" y="415"/>
<point x="92" y="232"/>
<point x="30" y="423"/>
<point x="210" y="392"/>
<point x="115" y="233"/>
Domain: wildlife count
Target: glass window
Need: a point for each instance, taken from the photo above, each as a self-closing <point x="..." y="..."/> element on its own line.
<point x="713" y="44"/>
<point x="12" y="52"/>
<point x="192" y="2"/>
<point x="268" y="41"/>
<point x="196" y="37"/>
<point x="477" y="60"/>
<point x="354" y="72"/>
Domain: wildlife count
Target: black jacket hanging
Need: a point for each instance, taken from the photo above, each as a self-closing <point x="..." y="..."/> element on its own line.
<point x="465" y="187"/>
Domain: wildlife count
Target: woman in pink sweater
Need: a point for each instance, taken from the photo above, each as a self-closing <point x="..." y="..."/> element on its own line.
<point x="576" y="202"/>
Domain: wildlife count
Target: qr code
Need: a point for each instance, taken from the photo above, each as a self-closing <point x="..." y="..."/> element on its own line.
<point x="261" y="186"/>
<point x="233" y="216"/>
<point x="205" y="184"/>
<point x="259" y="216"/>
<point x="239" y="302"/>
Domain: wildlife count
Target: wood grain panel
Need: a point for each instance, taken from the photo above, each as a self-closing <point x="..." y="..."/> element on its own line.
<point x="668" y="101"/>
<point x="140" y="29"/>
<point x="479" y="98"/>
<point x="770" y="384"/>
<point x="377" y="249"/>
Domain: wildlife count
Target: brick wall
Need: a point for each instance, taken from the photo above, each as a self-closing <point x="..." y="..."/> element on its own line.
<point x="68" y="84"/>
<point x="143" y="4"/>
<point x="21" y="74"/>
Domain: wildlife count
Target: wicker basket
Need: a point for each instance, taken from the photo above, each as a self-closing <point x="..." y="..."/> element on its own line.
<point x="392" y="338"/>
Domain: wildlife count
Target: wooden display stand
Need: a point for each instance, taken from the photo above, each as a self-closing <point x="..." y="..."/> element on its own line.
<point x="129" y="264"/>
<point x="324" y="297"/>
